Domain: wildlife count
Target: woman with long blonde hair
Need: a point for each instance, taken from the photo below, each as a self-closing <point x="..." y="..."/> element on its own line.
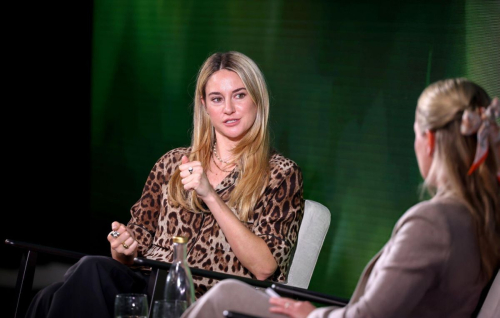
<point x="442" y="252"/>
<point x="239" y="202"/>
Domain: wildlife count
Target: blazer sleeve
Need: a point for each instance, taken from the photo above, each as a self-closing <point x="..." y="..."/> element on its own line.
<point x="407" y="268"/>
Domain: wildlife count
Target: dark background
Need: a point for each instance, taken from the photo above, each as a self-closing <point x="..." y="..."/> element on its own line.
<point x="46" y="133"/>
<point x="49" y="128"/>
<point x="98" y="91"/>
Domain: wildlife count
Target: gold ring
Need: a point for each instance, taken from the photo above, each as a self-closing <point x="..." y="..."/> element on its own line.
<point x="125" y="245"/>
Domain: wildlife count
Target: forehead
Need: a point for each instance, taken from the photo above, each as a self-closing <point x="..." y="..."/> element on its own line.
<point x="223" y="80"/>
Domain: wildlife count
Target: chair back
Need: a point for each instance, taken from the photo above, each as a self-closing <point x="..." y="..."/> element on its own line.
<point x="312" y="233"/>
<point x="491" y="305"/>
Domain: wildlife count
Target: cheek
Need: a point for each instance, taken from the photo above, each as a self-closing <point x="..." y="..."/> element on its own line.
<point x="212" y="112"/>
<point x="251" y="110"/>
<point x="254" y="115"/>
<point x="418" y="151"/>
<point x="419" y="143"/>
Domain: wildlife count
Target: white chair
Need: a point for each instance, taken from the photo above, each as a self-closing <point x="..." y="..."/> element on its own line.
<point x="491" y="305"/>
<point x="312" y="233"/>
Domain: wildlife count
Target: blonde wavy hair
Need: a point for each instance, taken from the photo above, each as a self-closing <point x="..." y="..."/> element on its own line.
<point x="440" y="108"/>
<point x="253" y="151"/>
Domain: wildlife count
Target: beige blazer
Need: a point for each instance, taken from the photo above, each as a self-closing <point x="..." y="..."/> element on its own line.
<point x="430" y="267"/>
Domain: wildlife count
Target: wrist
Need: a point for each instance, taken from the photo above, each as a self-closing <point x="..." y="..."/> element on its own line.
<point x="127" y="259"/>
<point x="211" y="197"/>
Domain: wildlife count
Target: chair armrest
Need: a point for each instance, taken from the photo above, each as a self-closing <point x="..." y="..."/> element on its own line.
<point x="202" y="272"/>
<point x="285" y="290"/>
<point x="28" y="263"/>
<point x="44" y="249"/>
<point x="235" y="314"/>
<point x="309" y="295"/>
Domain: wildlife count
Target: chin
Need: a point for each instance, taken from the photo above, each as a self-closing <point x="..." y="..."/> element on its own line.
<point x="232" y="135"/>
<point x="234" y="138"/>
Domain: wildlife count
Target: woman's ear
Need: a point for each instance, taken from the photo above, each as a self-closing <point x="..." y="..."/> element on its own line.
<point x="431" y="142"/>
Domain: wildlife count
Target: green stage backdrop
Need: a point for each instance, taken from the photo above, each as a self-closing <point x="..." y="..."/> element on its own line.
<point x="344" y="78"/>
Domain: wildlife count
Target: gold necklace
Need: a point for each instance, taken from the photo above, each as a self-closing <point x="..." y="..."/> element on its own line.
<point x="220" y="167"/>
<point x="217" y="156"/>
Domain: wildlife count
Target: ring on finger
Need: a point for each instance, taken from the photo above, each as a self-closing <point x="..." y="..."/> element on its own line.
<point x="190" y="169"/>
<point x="125" y="245"/>
<point x="114" y="234"/>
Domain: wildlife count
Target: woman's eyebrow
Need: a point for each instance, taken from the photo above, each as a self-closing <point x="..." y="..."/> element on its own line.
<point x="239" y="89"/>
<point x="234" y="91"/>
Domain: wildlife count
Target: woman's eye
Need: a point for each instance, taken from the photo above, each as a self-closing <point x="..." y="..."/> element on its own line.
<point x="240" y="95"/>
<point x="216" y="99"/>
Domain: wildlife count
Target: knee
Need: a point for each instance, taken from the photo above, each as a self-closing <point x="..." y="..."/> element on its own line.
<point x="92" y="260"/>
<point x="225" y="295"/>
<point x="49" y="291"/>
<point x="91" y="263"/>
<point x="228" y="287"/>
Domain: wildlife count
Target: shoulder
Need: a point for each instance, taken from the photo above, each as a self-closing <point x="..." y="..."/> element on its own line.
<point x="174" y="156"/>
<point x="280" y="164"/>
<point x="447" y="216"/>
<point x="284" y="173"/>
<point x="437" y="210"/>
<point x="169" y="161"/>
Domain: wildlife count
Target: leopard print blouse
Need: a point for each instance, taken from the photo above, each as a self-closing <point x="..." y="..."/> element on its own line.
<point x="276" y="219"/>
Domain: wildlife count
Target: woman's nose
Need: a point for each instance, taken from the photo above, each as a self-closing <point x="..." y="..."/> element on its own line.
<point x="228" y="107"/>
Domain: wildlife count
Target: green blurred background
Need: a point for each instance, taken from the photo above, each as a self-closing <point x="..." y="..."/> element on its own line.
<point x="344" y="79"/>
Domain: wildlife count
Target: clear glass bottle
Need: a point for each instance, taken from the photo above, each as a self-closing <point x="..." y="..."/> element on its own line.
<point x="179" y="285"/>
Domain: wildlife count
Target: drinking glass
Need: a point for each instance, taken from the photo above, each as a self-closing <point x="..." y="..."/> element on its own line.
<point x="169" y="308"/>
<point x="131" y="306"/>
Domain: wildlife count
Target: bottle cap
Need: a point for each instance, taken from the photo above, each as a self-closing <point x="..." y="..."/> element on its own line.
<point x="180" y="239"/>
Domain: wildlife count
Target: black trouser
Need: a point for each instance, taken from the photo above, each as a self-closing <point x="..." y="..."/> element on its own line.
<point x="88" y="290"/>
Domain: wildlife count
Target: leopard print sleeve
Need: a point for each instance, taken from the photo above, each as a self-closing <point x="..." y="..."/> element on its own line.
<point x="146" y="211"/>
<point x="282" y="212"/>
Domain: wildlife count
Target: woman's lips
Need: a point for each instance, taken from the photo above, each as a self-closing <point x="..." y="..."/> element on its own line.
<point x="231" y="122"/>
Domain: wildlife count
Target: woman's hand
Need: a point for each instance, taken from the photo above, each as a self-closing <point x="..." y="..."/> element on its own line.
<point x="290" y="307"/>
<point x="194" y="178"/>
<point x="122" y="242"/>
